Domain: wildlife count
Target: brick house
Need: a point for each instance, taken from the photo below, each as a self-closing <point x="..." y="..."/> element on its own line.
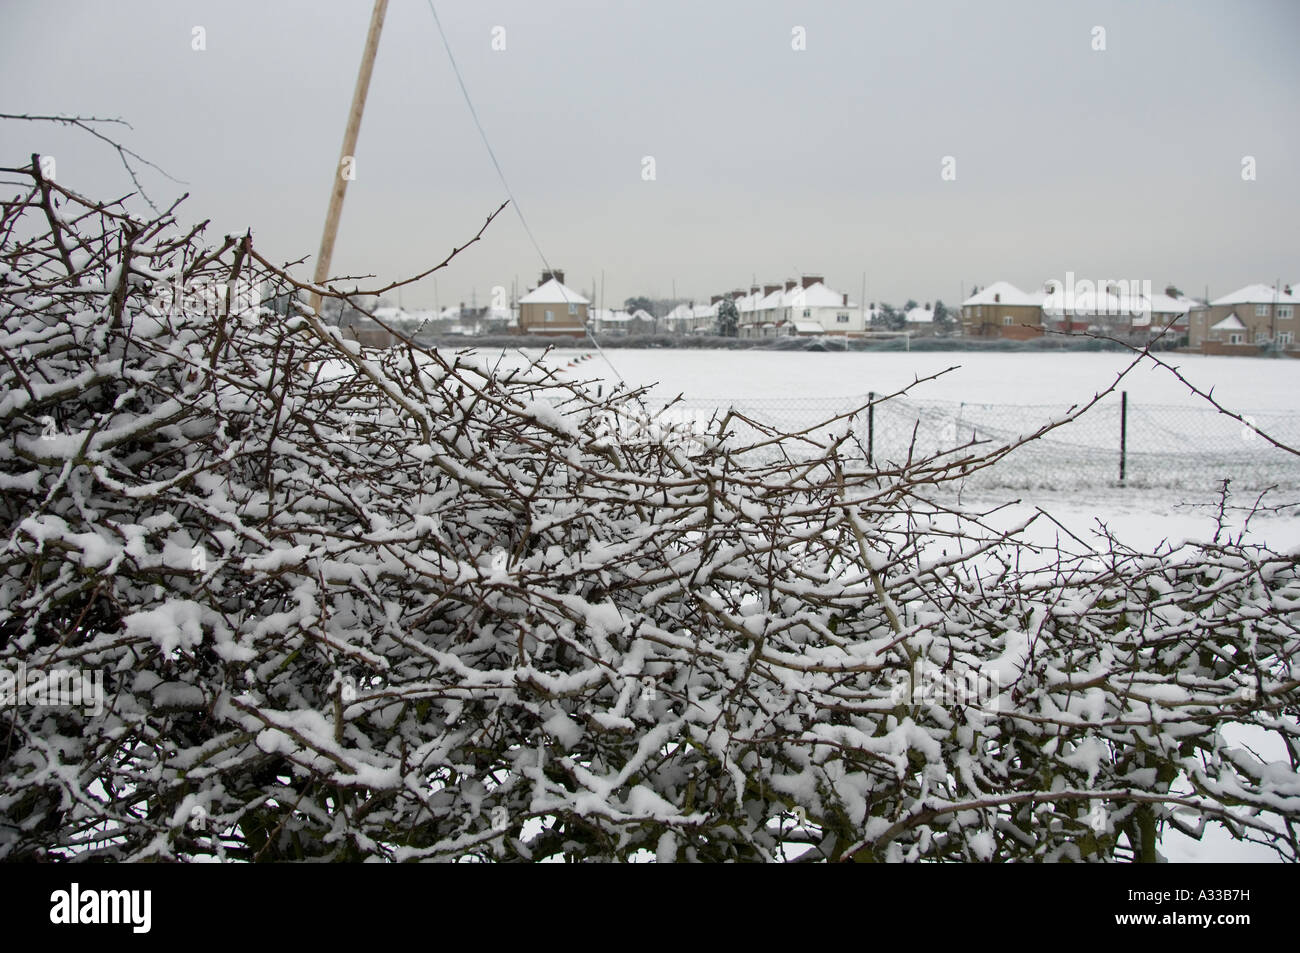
<point x="1247" y="320"/>
<point x="553" y="308"/>
<point x="1003" y="311"/>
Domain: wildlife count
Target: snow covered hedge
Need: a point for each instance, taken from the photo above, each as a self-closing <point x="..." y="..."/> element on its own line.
<point x="400" y="605"/>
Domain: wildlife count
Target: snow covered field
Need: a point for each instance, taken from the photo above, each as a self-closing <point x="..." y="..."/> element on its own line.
<point x="1178" y="447"/>
<point x="1006" y="378"/>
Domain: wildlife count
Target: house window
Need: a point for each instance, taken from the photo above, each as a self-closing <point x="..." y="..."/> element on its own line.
<point x="1284" y="311"/>
<point x="979" y="311"/>
<point x="1261" y="310"/>
<point x="807" y="312"/>
<point x="550" y="315"/>
<point x="1234" y="338"/>
<point x="841" y="319"/>
<point x="1006" y="320"/>
<point x="1261" y="337"/>
<point x="1284" y="338"/>
<point x="573" y="308"/>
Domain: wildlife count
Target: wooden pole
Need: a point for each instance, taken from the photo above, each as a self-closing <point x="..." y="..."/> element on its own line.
<point x="349" y="149"/>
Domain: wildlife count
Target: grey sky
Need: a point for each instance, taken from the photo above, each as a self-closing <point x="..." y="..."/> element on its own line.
<point x="1117" y="164"/>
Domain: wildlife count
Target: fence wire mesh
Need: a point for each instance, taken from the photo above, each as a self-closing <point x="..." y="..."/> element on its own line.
<point x="1159" y="445"/>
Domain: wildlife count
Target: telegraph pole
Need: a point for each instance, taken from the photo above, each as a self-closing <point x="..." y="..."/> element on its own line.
<point x="349" y="149"/>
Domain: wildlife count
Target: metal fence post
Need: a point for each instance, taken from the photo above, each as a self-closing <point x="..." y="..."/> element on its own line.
<point x="871" y="425"/>
<point x="1123" y="433"/>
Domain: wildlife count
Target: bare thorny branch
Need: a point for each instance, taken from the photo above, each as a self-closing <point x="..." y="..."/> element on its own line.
<point x="89" y="124"/>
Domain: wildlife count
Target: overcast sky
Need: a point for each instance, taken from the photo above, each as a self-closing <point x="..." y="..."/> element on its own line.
<point x="769" y="161"/>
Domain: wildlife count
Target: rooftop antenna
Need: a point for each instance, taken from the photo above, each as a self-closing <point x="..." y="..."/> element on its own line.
<point x="349" y="149"/>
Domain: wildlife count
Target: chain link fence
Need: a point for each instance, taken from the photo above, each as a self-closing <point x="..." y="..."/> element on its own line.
<point x="1118" y="442"/>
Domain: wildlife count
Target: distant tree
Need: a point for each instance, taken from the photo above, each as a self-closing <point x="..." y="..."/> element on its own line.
<point x="888" y="318"/>
<point x="645" y="304"/>
<point x="1172" y="291"/>
<point x="944" y="323"/>
<point x="728" y="318"/>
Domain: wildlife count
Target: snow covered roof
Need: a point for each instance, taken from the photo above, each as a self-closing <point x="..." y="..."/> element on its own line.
<point x="1004" y="292"/>
<point x="684" y="312"/>
<point x="1230" y="323"/>
<point x="553" y="293"/>
<point x="920" y="315"/>
<point x="1258" y="294"/>
<point x="1167" y="304"/>
<point x="817" y="295"/>
<point x="641" y="314"/>
<point x="809" y="327"/>
<point x="393" y="315"/>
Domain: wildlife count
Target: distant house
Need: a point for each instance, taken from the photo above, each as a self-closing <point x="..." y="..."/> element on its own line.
<point x="404" y="321"/>
<point x="618" y="323"/>
<point x="833" y="310"/>
<point x="1003" y="311"/>
<point x="643" y="322"/>
<point x="920" y="320"/>
<point x="1123" y="311"/>
<point x="747" y="310"/>
<point x="794" y="306"/>
<point x="692" y="319"/>
<point x="553" y="308"/>
<point x="1248" y="319"/>
<point x="759" y="314"/>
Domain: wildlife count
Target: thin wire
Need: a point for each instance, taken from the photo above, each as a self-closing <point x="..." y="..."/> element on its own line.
<point x="460" y="81"/>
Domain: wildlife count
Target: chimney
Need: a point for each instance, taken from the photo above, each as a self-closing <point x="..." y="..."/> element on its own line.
<point x="997" y="297"/>
<point x="714" y="299"/>
<point x="548" y="275"/>
<point x="791" y="284"/>
<point x="810" y="280"/>
<point x="737" y="293"/>
<point x="753" y="290"/>
<point x="844" y="303"/>
<point x="768" y="289"/>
